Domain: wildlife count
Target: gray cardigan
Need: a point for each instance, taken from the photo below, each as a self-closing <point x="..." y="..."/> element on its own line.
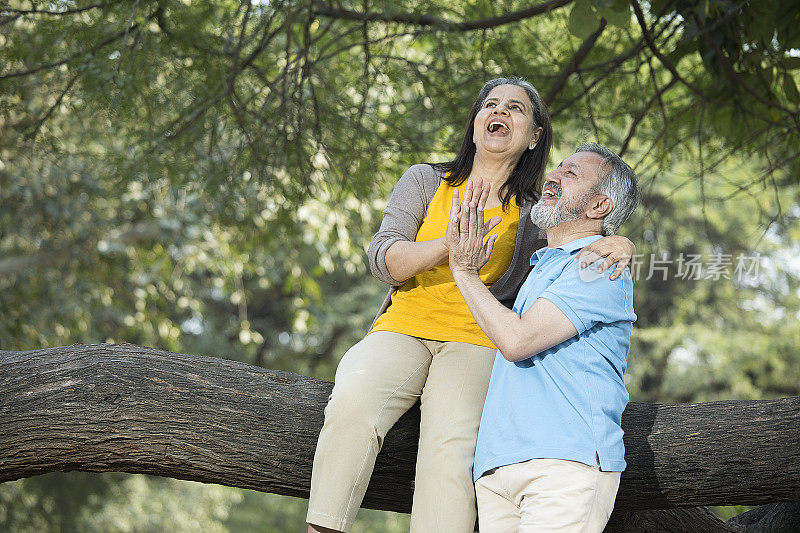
<point x="403" y="217"/>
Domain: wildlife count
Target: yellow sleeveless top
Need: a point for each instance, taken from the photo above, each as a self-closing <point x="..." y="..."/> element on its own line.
<point x="429" y="305"/>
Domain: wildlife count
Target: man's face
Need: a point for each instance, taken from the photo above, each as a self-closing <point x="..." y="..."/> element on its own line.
<point x="568" y="189"/>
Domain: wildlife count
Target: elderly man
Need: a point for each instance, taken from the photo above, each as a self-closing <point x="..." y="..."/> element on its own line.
<point x="550" y="450"/>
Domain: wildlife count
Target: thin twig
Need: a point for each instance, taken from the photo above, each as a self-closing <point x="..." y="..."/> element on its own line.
<point x="38" y="125"/>
<point x="125" y="37"/>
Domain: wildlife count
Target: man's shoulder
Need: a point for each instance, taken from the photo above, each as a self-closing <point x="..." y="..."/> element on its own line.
<point x="588" y="277"/>
<point x="589" y="297"/>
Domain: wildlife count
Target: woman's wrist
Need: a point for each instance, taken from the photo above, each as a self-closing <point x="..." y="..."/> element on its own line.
<point x="406" y="259"/>
<point x="443" y="250"/>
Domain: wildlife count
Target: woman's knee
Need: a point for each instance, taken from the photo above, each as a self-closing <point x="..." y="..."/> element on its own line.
<point x="350" y="405"/>
<point x="449" y="447"/>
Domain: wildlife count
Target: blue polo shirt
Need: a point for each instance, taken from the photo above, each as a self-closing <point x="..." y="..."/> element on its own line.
<point x="565" y="402"/>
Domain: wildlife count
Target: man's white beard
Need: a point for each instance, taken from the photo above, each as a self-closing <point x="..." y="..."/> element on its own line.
<point x="550" y="216"/>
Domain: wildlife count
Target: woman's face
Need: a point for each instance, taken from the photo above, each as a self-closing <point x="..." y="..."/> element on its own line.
<point x="504" y="125"/>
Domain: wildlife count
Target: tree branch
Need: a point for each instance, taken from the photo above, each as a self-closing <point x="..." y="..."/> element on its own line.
<point x="80" y="53"/>
<point x="637" y="10"/>
<point x="36" y="11"/>
<point x="127" y="408"/>
<point x="669" y="520"/>
<point x="41" y="120"/>
<point x="572" y="66"/>
<point x="440" y="24"/>
<point x="733" y="76"/>
<point x="640" y="116"/>
<point x="772" y="517"/>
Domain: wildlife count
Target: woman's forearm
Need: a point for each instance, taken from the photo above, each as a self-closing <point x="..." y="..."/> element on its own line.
<point x="406" y="259"/>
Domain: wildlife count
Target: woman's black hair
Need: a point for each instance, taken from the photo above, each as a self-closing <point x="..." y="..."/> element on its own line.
<point x="527" y="175"/>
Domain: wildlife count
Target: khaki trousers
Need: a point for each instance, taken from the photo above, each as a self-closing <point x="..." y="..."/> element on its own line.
<point x="546" y="495"/>
<point x="377" y="381"/>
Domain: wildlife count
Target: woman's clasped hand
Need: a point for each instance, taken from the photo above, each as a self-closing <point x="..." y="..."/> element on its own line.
<point x="467" y="229"/>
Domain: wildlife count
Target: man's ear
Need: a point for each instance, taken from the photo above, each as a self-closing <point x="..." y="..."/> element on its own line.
<point x="600" y="206"/>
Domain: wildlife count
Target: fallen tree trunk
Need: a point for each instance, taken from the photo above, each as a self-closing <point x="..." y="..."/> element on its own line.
<point x="127" y="408"/>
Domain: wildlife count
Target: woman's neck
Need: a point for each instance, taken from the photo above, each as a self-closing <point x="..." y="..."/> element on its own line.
<point x="491" y="170"/>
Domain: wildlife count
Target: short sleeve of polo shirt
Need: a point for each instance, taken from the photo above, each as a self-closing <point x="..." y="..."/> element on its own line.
<point x="587" y="297"/>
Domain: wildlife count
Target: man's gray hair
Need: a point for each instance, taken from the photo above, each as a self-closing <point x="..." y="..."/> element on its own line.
<point x="619" y="184"/>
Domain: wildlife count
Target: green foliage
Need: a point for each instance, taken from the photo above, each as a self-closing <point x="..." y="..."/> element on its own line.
<point x="268" y="513"/>
<point x="583" y="20"/>
<point x="126" y="503"/>
<point x="158" y="504"/>
<point x="114" y="503"/>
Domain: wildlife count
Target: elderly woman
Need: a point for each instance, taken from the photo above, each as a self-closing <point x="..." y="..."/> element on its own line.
<point x="424" y="343"/>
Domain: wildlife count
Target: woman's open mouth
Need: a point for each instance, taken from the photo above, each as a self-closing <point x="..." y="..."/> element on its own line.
<point x="496" y="126"/>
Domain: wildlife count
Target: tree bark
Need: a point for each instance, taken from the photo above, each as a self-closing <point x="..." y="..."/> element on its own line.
<point x="770" y="518"/>
<point x="127" y="408"/>
<point x="680" y="520"/>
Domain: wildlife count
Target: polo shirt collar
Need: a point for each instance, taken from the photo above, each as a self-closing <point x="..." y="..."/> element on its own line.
<point x="569" y="247"/>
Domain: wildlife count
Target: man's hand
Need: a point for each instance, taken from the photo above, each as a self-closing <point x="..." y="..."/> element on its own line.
<point x="466" y="230"/>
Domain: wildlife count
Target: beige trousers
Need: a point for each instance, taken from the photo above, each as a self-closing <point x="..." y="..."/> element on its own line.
<point x="377" y="381"/>
<point x="546" y="495"/>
